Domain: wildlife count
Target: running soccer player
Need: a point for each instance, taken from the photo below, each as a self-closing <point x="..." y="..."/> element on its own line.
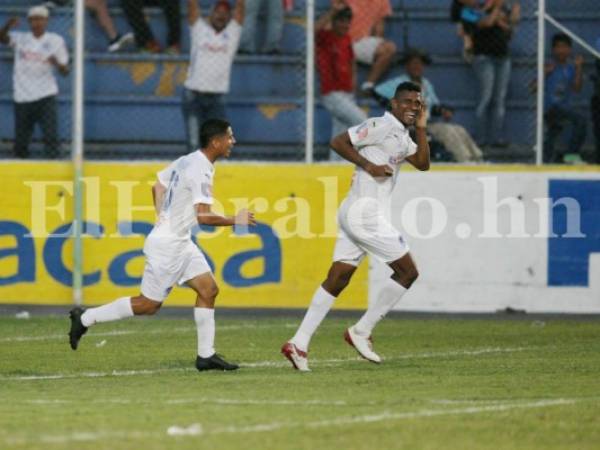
<point x="182" y="197"/>
<point x="377" y="147"/>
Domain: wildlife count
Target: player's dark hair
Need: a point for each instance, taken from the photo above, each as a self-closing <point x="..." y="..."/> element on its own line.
<point x="342" y="14"/>
<point x="407" y="86"/>
<point x="562" y="37"/>
<point x="212" y="128"/>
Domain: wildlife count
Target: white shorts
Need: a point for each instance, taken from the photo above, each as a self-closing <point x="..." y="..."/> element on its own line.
<point x="365" y="49"/>
<point x="364" y="230"/>
<point x="168" y="264"/>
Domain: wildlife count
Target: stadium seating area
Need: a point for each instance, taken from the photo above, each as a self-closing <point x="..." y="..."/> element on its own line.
<point x="133" y="100"/>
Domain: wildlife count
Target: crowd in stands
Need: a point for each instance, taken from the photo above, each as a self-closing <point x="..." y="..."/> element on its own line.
<point x="351" y="32"/>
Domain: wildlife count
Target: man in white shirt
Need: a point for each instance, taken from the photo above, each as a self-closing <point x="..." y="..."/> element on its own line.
<point x="182" y="197"/>
<point x="214" y="43"/>
<point x="37" y="53"/>
<point x="377" y="146"/>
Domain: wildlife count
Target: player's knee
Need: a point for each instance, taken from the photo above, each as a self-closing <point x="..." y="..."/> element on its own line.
<point x="209" y="293"/>
<point x="150" y="307"/>
<point x="410" y="276"/>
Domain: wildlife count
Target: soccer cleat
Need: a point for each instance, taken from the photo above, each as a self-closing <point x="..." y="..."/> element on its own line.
<point x="297" y="357"/>
<point x="214" y="362"/>
<point x="77" y="328"/>
<point x="362" y="345"/>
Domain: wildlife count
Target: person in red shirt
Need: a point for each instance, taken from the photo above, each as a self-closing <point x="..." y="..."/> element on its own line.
<point x="336" y="66"/>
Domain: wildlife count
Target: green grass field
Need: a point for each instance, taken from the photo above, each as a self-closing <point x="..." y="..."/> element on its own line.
<point x="444" y="384"/>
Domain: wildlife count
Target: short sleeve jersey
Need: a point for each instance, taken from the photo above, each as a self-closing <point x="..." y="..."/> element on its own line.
<point x="381" y="140"/>
<point x="189" y="181"/>
<point x="559" y="86"/>
<point x="33" y="77"/>
<point x="211" y="56"/>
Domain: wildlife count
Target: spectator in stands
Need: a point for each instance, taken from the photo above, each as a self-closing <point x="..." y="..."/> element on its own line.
<point x="452" y="136"/>
<point x="134" y="11"/>
<point x="214" y="44"/>
<point x="367" y="30"/>
<point x="596" y="104"/>
<point x="37" y="54"/>
<point x="563" y="79"/>
<point x="491" y="33"/>
<point x="99" y="9"/>
<point x="274" y="25"/>
<point x="336" y="65"/>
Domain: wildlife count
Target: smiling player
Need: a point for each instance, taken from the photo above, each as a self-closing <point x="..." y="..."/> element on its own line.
<point x="182" y="197"/>
<point x="378" y="146"/>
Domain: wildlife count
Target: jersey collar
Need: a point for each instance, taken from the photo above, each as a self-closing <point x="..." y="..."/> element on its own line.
<point x="390" y="117"/>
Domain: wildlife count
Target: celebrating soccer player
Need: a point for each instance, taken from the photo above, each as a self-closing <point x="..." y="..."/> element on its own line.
<point x="182" y="197"/>
<point x="377" y="147"/>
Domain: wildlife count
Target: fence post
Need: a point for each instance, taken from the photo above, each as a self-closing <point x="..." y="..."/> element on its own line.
<point x="77" y="150"/>
<point x="541" y="54"/>
<point x="310" y="80"/>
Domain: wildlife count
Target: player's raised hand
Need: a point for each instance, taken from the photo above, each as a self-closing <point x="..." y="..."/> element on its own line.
<point x="422" y="117"/>
<point x="245" y="217"/>
<point x="379" y="171"/>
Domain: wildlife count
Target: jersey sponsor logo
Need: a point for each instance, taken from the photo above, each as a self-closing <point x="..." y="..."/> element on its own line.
<point x="396" y="159"/>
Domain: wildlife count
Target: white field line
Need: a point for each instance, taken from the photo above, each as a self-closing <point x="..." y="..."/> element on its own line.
<point x="189" y="329"/>
<point x="200" y="400"/>
<point x="317" y="362"/>
<point x="275" y="426"/>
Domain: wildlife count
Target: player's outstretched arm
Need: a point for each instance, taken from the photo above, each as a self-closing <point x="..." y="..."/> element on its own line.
<point x="420" y="160"/>
<point x="342" y="145"/>
<point x="207" y="217"/>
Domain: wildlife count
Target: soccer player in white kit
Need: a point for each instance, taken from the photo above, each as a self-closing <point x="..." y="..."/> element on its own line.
<point x="377" y="146"/>
<point x="182" y="197"/>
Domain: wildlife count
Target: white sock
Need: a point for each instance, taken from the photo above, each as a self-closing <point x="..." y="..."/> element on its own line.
<point x="318" y="309"/>
<point x="390" y="295"/>
<point x="117" y="310"/>
<point x="205" y="324"/>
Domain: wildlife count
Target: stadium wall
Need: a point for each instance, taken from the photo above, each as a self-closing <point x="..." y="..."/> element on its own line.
<point x="510" y="237"/>
<point x="474" y="251"/>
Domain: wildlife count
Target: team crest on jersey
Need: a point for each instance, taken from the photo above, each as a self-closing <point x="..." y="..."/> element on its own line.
<point x="362" y="131"/>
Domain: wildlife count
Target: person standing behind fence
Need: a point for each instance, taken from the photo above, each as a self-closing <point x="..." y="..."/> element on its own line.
<point x="563" y="79"/>
<point x="337" y="70"/>
<point x="370" y="47"/>
<point x="492" y="33"/>
<point x="274" y="25"/>
<point x="214" y="43"/>
<point x="37" y="54"/>
<point x="134" y="11"/>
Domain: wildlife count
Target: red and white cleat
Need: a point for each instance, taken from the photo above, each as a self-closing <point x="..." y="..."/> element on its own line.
<point x="362" y="345"/>
<point x="297" y="357"/>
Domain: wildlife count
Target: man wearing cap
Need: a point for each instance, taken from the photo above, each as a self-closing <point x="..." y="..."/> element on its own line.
<point x="37" y="54"/>
<point x="214" y="43"/>
<point x="452" y="136"/>
<point x="337" y="70"/>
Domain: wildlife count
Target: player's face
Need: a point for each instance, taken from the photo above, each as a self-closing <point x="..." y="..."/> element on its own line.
<point x="225" y="143"/>
<point x="407" y="106"/>
<point x="220" y="17"/>
<point x="38" y="25"/>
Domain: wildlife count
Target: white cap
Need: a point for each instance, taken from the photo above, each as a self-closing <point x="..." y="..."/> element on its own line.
<point x="38" y="11"/>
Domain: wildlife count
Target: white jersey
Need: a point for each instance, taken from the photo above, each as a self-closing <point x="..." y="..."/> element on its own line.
<point x="189" y="181"/>
<point x="381" y="140"/>
<point x="33" y="77"/>
<point x="211" y="56"/>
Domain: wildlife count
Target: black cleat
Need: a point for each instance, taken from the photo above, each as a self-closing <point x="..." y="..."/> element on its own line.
<point x="77" y="328"/>
<point x="215" y="362"/>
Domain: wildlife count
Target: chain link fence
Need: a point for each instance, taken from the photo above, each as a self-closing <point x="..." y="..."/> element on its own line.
<point x="155" y="69"/>
<point x="35" y="83"/>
